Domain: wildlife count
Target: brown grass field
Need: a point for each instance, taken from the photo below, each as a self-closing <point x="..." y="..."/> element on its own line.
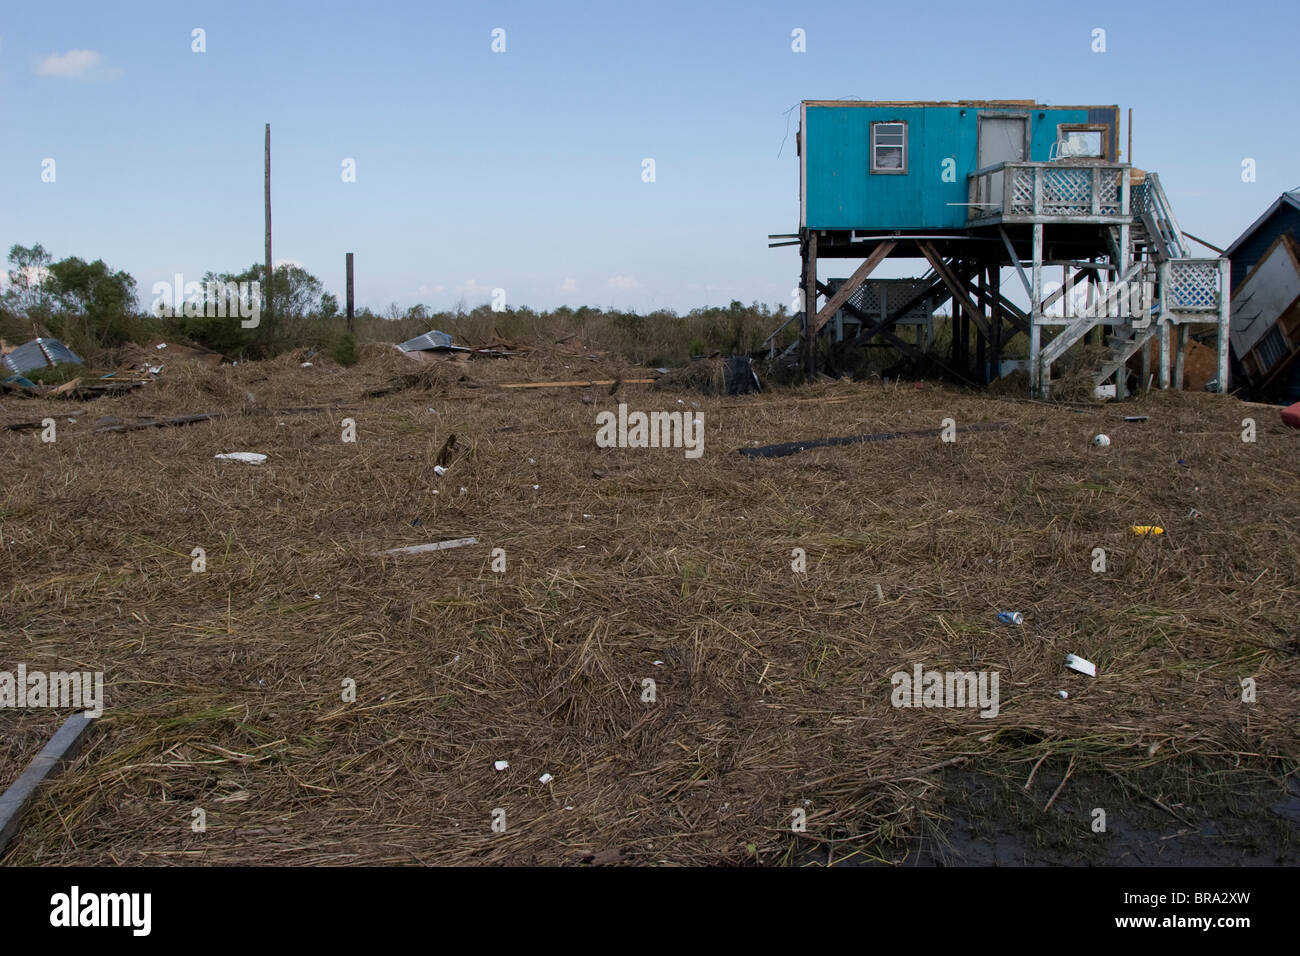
<point x="772" y="688"/>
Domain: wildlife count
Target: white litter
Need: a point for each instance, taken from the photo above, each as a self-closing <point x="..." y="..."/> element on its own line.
<point x="1076" y="663"/>
<point x="535" y="487"/>
<point x="501" y="764"/>
<point x="161" y="345"/>
<point x="659" y="663"/>
<point x="1101" y="441"/>
<point x="305" y="365"/>
<point x="545" y="778"/>
<point x="1064" y="695"/>
<point x="247" y="457"/>
<point x="439" y="470"/>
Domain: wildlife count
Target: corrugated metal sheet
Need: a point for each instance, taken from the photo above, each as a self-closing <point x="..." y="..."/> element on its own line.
<point x="39" y="353"/>
<point x="429" y="340"/>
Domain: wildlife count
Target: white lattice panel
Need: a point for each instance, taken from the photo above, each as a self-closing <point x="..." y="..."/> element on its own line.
<point x="1195" y="286"/>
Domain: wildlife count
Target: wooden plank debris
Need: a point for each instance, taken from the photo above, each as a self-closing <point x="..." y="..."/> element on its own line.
<point x="62" y="748"/>
<point x="434" y="546"/>
<point x="794" y="447"/>
<point x="582" y="384"/>
<point x="160" y="422"/>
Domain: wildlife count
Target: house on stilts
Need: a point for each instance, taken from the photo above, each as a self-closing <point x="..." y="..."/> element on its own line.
<point x="1024" y="219"/>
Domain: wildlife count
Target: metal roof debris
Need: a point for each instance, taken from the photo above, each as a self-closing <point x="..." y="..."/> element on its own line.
<point x="429" y="340"/>
<point x="39" y="353"/>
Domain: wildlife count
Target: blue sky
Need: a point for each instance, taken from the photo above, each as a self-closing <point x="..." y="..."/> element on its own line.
<point x="522" y="170"/>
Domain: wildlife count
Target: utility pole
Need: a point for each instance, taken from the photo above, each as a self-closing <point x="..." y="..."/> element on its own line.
<point x="350" y="293"/>
<point x="266" y="293"/>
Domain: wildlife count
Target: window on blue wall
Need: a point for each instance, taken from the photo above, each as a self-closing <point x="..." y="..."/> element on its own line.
<point x="889" y="147"/>
<point x="1080" y="142"/>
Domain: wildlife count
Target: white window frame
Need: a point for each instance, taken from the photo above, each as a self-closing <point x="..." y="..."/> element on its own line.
<point x="1064" y="130"/>
<point x="875" y="170"/>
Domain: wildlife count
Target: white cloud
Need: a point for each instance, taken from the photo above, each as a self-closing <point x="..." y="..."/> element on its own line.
<point x="426" y="289"/>
<point x="569" y="285"/>
<point x="77" y="65"/>
<point x="471" y="287"/>
<point x="623" y="282"/>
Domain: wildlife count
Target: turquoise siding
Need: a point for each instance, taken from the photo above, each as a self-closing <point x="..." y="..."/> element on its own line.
<point x="842" y="193"/>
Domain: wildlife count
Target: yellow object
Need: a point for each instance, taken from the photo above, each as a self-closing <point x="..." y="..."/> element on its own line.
<point x="1147" y="529"/>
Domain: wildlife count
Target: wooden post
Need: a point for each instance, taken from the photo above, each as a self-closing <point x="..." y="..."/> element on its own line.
<point x="350" y="312"/>
<point x="1164" y="352"/>
<point x="1180" y="351"/>
<point x="995" y="285"/>
<point x="1128" y="156"/>
<point x="810" y="304"/>
<point x="266" y="293"/>
<point x="1039" y="379"/>
<point x="1225" y="322"/>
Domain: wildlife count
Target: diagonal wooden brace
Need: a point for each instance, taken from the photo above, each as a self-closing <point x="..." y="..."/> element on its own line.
<point x="954" y="286"/>
<point x="851" y="285"/>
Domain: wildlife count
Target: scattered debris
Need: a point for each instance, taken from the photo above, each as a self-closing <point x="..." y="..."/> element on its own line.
<point x="247" y="457"/>
<point x="435" y="546"/>
<point x="114" y="425"/>
<point x="1266" y="315"/>
<point x="1011" y="617"/>
<point x="501" y="765"/>
<point x="793" y="448"/>
<point x="740" y="377"/>
<point x="1101" y="441"/>
<point x="37" y="354"/>
<point x="585" y="383"/>
<point x="1136" y="418"/>
<point x="433" y="339"/>
<point x="545" y="778"/>
<point x="434" y="344"/>
<point x="1145" y="529"/>
<point x="1076" y="663"/>
<point x="1063" y="694"/>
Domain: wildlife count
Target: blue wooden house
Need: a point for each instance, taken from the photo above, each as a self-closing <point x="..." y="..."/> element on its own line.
<point x="976" y="187"/>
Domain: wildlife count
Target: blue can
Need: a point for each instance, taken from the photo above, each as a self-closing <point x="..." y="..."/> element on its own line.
<point x="1011" y="617"/>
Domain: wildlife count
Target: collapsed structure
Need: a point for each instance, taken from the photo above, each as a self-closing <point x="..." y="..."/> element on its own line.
<point x="1266" y="301"/>
<point x="971" y="188"/>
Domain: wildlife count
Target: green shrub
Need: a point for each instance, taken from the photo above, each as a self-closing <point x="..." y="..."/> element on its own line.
<point x="345" y="349"/>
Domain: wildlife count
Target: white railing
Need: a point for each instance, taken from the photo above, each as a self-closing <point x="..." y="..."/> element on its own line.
<point x="1045" y="191"/>
<point x="1150" y="201"/>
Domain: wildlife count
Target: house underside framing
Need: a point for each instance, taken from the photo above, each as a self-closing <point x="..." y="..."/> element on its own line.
<point x="1098" y="262"/>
